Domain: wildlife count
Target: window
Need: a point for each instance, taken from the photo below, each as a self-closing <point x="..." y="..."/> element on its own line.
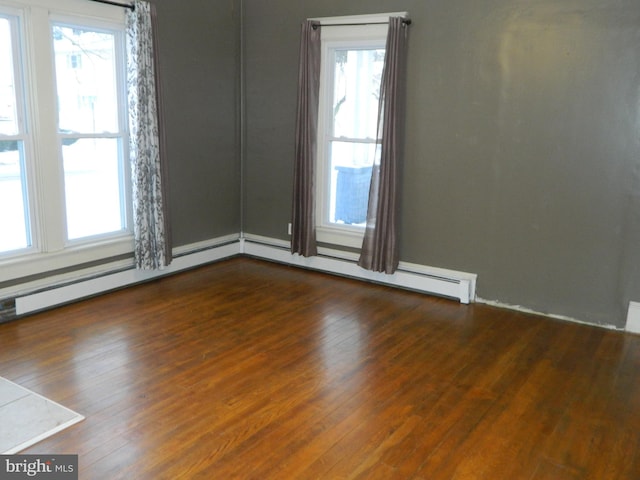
<point x="14" y="209"/>
<point x="351" y="68"/>
<point x="89" y="130"/>
<point x="64" y="188"/>
<point x="74" y="60"/>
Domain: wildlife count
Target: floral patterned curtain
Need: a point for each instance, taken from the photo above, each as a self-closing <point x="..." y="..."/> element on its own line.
<point x="152" y="248"/>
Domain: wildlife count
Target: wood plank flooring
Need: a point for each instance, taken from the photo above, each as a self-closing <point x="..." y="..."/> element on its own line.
<point x="250" y="370"/>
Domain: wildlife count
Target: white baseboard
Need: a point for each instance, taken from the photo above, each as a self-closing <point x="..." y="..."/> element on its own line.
<point x="435" y="281"/>
<point x="184" y="258"/>
<point x="55" y="291"/>
<point x="633" y="318"/>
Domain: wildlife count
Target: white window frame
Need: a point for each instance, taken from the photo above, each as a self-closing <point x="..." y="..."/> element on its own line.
<point x="50" y="251"/>
<point x="354" y="31"/>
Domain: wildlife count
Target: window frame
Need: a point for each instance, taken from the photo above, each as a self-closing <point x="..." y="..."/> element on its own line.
<point x="50" y="250"/>
<point x="346" y="32"/>
<point x="124" y="170"/>
<point x="15" y="18"/>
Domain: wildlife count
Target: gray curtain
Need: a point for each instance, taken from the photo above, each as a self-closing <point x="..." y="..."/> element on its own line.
<point x="303" y="225"/>
<point x="380" y="246"/>
<point x="152" y="245"/>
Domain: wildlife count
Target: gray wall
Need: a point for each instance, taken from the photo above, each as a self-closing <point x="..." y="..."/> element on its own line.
<point x="522" y="149"/>
<point x="199" y="45"/>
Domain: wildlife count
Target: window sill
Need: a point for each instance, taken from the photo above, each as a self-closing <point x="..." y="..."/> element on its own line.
<point x="344" y="236"/>
<point x="39" y="264"/>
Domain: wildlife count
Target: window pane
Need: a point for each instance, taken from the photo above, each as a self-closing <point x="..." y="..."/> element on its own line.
<point x="8" y="106"/>
<point x="86" y="80"/>
<point x="94" y="193"/>
<point x="13" y="201"/>
<point x="350" y="178"/>
<point x="356" y="89"/>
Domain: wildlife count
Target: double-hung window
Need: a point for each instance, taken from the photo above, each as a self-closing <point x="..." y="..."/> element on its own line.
<point x="14" y="206"/>
<point x="64" y="188"/>
<point x="352" y="58"/>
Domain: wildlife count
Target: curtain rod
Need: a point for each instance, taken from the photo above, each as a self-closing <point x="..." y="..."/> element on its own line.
<point x="108" y="2"/>
<point x="406" y="21"/>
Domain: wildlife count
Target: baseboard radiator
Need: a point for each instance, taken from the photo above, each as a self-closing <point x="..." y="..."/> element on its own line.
<point x="39" y="297"/>
<point x="434" y="281"/>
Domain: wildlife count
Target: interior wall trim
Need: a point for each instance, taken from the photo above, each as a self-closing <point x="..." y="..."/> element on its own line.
<point x="185" y="258"/>
<point x="442" y="282"/>
<point x="460" y="285"/>
<point x="430" y="280"/>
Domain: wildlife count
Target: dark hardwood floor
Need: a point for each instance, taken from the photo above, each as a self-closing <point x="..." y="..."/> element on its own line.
<point x="251" y="370"/>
